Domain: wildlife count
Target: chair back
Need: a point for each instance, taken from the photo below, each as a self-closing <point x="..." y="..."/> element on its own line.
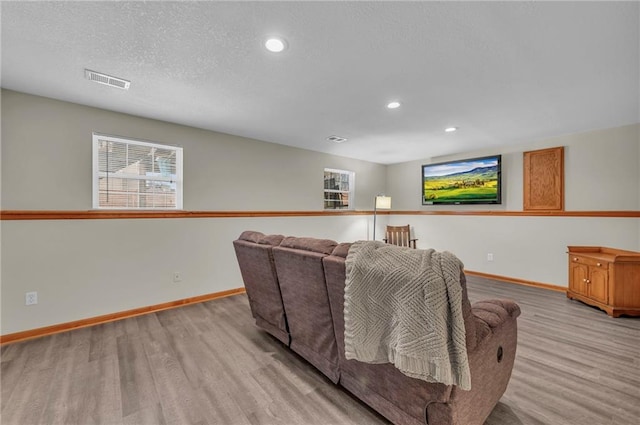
<point x="399" y="235"/>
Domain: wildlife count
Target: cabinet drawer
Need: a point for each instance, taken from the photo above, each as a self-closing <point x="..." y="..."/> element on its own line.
<point x="588" y="261"/>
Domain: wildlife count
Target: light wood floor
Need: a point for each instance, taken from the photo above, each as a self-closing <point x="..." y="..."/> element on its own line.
<point x="208" y="364"/>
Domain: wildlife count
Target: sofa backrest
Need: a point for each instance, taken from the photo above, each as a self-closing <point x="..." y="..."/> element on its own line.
<point x="395" y="385"/>
<point x="335" y="274"/>
<point x="254" y="252"/>
<point x="304" y="294"/>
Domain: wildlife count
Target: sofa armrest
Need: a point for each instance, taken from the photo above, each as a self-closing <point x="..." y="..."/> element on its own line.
<point x="491" y="314"/>
<point x="491" y="358"/>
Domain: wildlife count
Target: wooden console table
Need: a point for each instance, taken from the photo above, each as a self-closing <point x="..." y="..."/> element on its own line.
<point x="606" y="278"/>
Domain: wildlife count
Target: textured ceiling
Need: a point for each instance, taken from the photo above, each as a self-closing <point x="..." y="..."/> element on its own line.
<point x="504" y="73"/>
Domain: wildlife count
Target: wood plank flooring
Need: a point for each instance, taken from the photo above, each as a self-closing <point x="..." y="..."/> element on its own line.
<point x="208" y="364"/>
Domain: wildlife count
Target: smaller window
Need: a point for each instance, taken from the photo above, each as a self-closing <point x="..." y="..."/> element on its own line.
<point x="131" y="174"/>
<point x="338" y="189"/>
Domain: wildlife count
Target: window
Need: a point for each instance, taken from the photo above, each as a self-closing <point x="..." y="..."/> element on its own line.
<point x="130" y="174"/>
<point x="338" y="189"/>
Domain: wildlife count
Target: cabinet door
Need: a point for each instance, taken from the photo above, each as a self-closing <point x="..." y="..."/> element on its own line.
<point x="578" y="275"/>
<point x="598" y="284"/>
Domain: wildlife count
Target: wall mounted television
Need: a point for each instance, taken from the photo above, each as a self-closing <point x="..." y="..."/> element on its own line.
<point x="465" y="181"/>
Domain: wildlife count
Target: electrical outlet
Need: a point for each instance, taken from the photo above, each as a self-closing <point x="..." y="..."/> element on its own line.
<point x="31" y="298"/>
<point x="490" y="257"/>
<point x="177" y="277"/>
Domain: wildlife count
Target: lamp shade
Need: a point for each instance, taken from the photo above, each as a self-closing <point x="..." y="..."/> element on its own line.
<point x="383" y="202"/>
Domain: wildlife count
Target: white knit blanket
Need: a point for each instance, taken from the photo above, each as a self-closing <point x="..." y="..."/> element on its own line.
<point x="404" y="306"/>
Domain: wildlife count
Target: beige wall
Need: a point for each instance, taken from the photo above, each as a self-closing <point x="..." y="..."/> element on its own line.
<point x="529" y="248"/>
<point x="601" y="173"/>
<point x="85" y="268"/>
<point x="46" y="154"/>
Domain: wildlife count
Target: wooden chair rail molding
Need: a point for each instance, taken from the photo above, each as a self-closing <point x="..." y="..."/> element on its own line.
<point x="129" y="214"/>
<point x="622" y="214"/>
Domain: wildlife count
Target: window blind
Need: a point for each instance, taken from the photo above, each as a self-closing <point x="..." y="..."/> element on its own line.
<point x="132" y="174"/>
<point x="338" y="189"/>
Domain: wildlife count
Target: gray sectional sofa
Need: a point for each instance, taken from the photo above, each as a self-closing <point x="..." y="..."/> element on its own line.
<point x="295" y="288"/>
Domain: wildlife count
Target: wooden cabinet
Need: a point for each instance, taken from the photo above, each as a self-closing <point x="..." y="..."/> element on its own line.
<point x="607" y="278"/>
<point x="589" y="280"/>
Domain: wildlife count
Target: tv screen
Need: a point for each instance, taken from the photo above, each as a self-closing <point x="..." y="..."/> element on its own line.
<point x="467" y="181"/>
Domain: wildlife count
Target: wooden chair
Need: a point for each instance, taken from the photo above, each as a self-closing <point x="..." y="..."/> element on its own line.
<point x="399" y="235"/>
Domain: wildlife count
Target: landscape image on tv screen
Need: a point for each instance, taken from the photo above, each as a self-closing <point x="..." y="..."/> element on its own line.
<point x="468" y="181"/>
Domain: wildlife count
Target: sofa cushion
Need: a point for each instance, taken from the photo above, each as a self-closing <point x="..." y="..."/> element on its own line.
<point x="323" y="246"/>
<point x="257" y="268"/>
<point x="304" y="296"/>
<point x="400" y="398"/>
<point x="251" y="236"/>
<point x="273" y="240"/>
<point x="342" y="249"/>
<point x="260" y="238"/>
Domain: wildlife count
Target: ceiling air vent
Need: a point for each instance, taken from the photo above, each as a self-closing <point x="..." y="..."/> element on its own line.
<point x="336" y="139"/>
<point x="107" y="79"/>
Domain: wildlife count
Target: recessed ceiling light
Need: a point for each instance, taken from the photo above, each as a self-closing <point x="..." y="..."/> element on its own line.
<point x="393" y="105"/>
<point x="275" y="45"/>
<point x="450" y="129"/>
<point x="336" y="139"/>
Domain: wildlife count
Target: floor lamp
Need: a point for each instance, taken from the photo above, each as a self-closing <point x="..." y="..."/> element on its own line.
<point x="381" y="203"/>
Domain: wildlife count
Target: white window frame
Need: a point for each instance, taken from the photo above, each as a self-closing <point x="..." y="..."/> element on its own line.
<point x="97" y="174"/>
<point x="350" y="192"/>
